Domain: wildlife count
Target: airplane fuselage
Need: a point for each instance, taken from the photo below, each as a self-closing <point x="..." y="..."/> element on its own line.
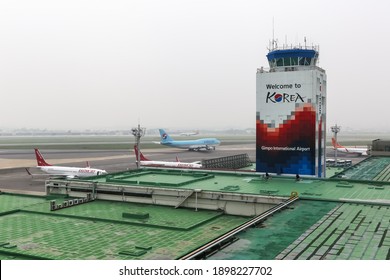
<point x="194" y="145"/>
<point x="71" y="172"/>
<point x="359" y="151"/>
<point x="349" y="150"/>
<point x="206" y="143"/>
<point x="155" y="163"/>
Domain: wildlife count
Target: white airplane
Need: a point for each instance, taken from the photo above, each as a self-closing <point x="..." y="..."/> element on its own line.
<point x="189" y="133"/>
<point x="68" y="172"/>
<point x="147" y="162"/>
<point x="350" y="150"/>
<point x="192" y="145"/>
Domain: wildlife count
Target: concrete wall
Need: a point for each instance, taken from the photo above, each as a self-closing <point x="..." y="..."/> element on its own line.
<point x="229" y="203"/>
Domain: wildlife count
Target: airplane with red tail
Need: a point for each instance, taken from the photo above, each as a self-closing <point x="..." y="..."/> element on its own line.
<point x="66" y="171"/>
<point x="154" y="163"/>
<point x="350" y="150"/>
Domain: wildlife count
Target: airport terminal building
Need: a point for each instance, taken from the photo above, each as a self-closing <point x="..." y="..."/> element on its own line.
<point x="291" y="113"/>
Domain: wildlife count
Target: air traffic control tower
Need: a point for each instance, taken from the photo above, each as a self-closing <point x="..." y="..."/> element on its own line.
<point x="291" y="113"/>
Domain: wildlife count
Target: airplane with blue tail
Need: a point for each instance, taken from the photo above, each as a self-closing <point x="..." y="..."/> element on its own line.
<point x="192" y="145"/>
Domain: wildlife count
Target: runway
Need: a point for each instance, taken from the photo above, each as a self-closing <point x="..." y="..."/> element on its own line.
<point x="13" y="163"/>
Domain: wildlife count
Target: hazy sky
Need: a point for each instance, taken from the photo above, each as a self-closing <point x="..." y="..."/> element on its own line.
<point x="79" y="64"/>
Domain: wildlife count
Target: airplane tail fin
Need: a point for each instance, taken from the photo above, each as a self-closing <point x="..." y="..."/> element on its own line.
<point x="335" y="144"/>
<point x="177" y="159"/>
<point x="40" y="160"/>
<point x="88" y="166"/>
<point x="141" y="155"/>
<point x="164" y="136"/>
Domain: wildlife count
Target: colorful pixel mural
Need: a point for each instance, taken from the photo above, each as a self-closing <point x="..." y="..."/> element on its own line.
<point x="290" y="147"/>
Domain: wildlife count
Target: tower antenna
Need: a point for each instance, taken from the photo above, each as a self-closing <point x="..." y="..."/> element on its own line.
<point x="273" y="31"/>
<point x="273" y="44"/>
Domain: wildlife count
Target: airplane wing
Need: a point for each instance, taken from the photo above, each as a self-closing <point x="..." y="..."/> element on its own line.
<point x="36" y="174"/>
<point x="46" y="175"/>
<point x="362" y="153"/>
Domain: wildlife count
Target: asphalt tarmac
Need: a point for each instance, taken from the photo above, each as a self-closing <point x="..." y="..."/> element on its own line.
<point x="15" y="178"/>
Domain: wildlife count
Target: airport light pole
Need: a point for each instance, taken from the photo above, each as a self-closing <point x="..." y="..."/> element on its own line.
<point x="138" y="132"/>
<point x="335" y="129"/>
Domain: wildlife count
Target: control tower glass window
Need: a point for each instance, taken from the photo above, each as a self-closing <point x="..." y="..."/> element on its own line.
<point x="305" y="61"/>
<point x="290" y="61"/>
<point x="294" y="60"/>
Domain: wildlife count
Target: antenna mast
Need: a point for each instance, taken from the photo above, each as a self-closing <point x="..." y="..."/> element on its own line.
<point x="273" y="32"/>
<point x="273" y="44"/>
<point x="335" y="129"/>
<point x="138" y="132"/>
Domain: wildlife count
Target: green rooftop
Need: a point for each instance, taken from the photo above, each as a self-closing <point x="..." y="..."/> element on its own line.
<point x="370" y="169"/>
<point x="100" y="230"/>
<point x="344" y="217"/>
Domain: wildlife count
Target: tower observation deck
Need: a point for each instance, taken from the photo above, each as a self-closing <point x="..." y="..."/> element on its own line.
<point x="290" y="113"/>
<point x="292" y="57"/>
